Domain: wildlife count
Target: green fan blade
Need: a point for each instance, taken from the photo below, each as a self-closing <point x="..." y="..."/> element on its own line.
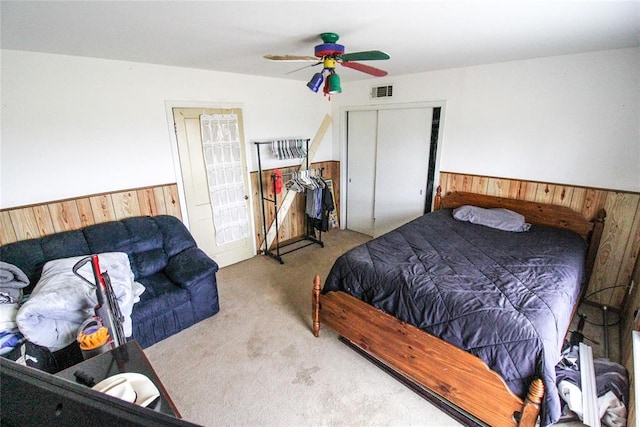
<point x="370" y="55"/>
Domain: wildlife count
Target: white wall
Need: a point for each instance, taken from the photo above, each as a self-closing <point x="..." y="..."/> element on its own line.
<point x="571" y="119"/>
<point x="74" y="126"/>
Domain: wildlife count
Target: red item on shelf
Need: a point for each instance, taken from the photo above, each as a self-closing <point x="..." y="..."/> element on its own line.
<point x="278" y="179"/>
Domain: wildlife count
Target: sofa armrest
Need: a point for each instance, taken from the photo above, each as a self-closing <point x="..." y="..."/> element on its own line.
<point x="189" y="267"/>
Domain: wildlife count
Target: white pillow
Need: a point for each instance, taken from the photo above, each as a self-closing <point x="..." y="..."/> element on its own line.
<point x="499" y="218"/>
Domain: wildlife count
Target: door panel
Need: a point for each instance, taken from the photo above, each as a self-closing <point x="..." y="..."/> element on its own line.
<point x="196" y="186"/>
<point x="404" y="138"/>
<point x="387" y="167"/>
<point x="361" y="160"/>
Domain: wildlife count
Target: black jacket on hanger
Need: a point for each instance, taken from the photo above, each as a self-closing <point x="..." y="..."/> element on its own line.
<point x="322" y="224"/>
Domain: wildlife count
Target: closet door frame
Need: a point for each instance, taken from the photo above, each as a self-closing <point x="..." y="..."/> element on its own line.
<point x="343" y="122"/>
<point x="363" y="175"/>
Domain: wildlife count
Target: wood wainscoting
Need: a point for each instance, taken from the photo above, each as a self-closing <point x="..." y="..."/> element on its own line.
<point x="609" y="282"/>
<point x="33" y="221"/>
<point x="38" y="220"/>
<point x="621" y="237"/>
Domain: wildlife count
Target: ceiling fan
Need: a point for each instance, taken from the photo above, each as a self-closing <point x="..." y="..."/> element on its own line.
<point x="329" y="54"/>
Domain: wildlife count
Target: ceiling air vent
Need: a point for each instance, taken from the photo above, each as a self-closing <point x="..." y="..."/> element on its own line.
<point x="382" y="91"/>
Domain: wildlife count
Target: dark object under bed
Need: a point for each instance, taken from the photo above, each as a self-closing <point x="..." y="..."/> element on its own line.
<point x="505" y="297"/>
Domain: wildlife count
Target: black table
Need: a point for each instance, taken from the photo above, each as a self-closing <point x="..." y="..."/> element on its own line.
<point x="128" y="357"/>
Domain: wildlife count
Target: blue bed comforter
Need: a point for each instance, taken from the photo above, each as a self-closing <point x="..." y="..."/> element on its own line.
<point x="505" y="297"/>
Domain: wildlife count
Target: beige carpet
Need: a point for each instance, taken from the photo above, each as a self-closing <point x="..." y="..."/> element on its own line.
<point x="256" y="362"/>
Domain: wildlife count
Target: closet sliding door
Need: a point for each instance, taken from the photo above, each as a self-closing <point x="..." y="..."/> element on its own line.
<point x="404" y="137"/>
<point x="361" y="174"/>
<point x="387" y="167"/>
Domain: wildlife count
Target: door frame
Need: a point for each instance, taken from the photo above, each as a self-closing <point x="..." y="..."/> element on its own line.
<point x="343" y="121"/>
<point x="169" y="106"/>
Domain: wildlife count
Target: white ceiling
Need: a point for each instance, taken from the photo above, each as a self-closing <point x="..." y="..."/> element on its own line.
<point x="232" y="36"/>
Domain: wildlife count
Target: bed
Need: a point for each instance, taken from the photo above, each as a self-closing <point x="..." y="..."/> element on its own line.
<point x="472" y="317"/>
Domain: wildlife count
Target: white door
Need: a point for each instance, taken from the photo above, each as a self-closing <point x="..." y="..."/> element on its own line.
<point x="216" y="181"/>
<point x="387" y="167"/>
<point x="404" y="138"/>
<point x="361" y="178"/>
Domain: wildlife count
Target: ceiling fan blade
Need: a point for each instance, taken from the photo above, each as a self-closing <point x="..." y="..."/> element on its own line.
<point x="365" y="68"/>
<point x="306" y="66"/>
<point x="291" y="58"/>
<point x="370" y="55"/>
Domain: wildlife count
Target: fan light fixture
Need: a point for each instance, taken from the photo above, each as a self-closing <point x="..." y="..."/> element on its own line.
<point x="315" y="82"/>
<point x="330" y="54"/>
<point x="334" y="83"/>
<point x="331" y="82"/>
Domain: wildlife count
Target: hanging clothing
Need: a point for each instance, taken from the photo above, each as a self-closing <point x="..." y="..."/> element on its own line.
<point x="322" y="205"/>
<point x="278" y="178"/>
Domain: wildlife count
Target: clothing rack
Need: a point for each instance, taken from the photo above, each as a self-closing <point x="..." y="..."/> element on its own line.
<point x="309" y="235"/>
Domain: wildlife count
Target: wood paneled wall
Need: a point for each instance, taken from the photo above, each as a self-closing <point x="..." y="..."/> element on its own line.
<point x="621" y="237"/>
<point x="293" y="225"/>
<point x="34" y="221"/>
<point x="40" y="220"/>
<point x="609" y="283"/>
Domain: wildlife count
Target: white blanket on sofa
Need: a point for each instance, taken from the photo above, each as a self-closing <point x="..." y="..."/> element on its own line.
<point x="61" y="301"/>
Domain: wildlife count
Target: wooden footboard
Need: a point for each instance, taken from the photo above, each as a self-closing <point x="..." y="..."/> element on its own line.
<point x="441" y="368"/>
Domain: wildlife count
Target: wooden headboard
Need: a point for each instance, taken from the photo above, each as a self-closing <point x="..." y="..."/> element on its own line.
<point x="534" y="212"/>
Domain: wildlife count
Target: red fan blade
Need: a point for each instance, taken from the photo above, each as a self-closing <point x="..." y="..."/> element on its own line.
<point x="364" y="68"/>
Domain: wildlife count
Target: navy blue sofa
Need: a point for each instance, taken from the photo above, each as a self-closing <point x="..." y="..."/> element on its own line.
<point x="179" y="278"/>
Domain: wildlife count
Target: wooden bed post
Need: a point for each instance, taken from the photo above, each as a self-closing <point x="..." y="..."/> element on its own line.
<point x="437" y="199"/>
<point x="315" y="305"/>
<point x="531" y="406"/>
<point x="594" y="245"/>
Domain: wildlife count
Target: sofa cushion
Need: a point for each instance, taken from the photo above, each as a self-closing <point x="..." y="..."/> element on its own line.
<point x="149" y="262"/>
<point x="160" y="295"/>
<point x="190" y="267"/>
<point x="108" y="237"/>
<point x="28" y="256"/>
<point x="149" y="241"/>
<point x="64" y="245"/>
<point x="176" y="236"/>
<point x="147" y="245"/>
<point x="31" y="255"/>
